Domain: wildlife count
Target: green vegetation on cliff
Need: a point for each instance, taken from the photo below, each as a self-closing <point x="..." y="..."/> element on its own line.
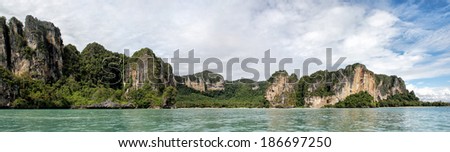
<point x="6" y="77"/>
<point x="92" y="79"/>
<point x="144" y="97"/>
<point x="144" y="67"/>
<point x="236" y="94"/>
<point x="365" y="100"/>
<point x="58" y="76"/>
<point x="71" y="64"/>
<point x="169" y="96"/>
<point x="101" y="67"/>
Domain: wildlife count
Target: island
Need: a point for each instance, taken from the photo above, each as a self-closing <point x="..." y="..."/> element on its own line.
<point x="38" y="71"/>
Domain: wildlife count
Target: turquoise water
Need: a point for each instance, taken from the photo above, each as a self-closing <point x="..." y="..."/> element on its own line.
<point x="377" y="119"/>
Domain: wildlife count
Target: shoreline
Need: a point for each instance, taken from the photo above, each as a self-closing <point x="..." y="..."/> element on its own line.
<point x="204" y="108"/>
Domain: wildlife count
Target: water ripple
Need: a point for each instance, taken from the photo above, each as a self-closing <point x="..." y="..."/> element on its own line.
<point x="347" y="120"/>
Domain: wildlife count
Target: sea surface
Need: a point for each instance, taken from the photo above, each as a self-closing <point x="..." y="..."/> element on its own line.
<point x="434" y="119"/>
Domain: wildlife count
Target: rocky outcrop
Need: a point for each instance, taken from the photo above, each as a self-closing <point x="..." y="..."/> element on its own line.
<point x="34" y="50"/>
<point x="281" y="91"/>
<point x="5" y="50"/>
<point x="327" y="88"/>
<point x="46" y="45"/>
<point x="203" y="81"/>
<point x="17" y="44"/>
<point x="145" y="67"/>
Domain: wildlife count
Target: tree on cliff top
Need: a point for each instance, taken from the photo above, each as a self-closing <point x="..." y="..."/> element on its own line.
<point x="101" y="67"/>
<point x="71" y="58"/>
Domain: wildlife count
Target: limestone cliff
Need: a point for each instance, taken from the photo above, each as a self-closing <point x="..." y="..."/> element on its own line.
<point x="17" y="45"/>
<point x="203" y="81"/>
<point x="145" y="67"/>
<point x="327" y="88"/>
<point x="33" y="50"/>
<point x="44" y="48"/>
<point x="5" y="51"/>
<point x="281" y="91"/>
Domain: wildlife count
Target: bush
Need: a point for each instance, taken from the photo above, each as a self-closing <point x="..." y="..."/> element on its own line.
<point x="145" y="97"/>
<point x="358" y="100"/>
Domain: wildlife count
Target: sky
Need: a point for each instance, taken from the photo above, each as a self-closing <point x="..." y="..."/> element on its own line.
<point x="404" y="38"/>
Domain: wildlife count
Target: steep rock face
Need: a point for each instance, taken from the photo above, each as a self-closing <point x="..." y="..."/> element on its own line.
<point x="203" y="81"/>
<point x="18" y="49"/>
<point x="327" y="88"/>
<point x="281" y="91"/>
<point x="35" y="50"/>
<point x="45" y="41"/>
<point x="5" y="50"/>
<point x="145" y="67"/>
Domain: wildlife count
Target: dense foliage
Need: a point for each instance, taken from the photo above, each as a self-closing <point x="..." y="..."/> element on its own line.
<point x="71" y="58"/>
<point x="101" y="67"/>
<point x="407" y="99"/>
<point x="365" y="100"/>
<point x="358" y="100"/>
<point x="144" y="97"/>
<point x="6" y="76"/>
<point x="235" y="95"/>
<point x="169" y="96"/>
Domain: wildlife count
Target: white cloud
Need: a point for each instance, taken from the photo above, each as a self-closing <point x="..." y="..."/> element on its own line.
<point x="225" y="29"/>
<point x="431" y="93"/>
<point x="430" y="41"/>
